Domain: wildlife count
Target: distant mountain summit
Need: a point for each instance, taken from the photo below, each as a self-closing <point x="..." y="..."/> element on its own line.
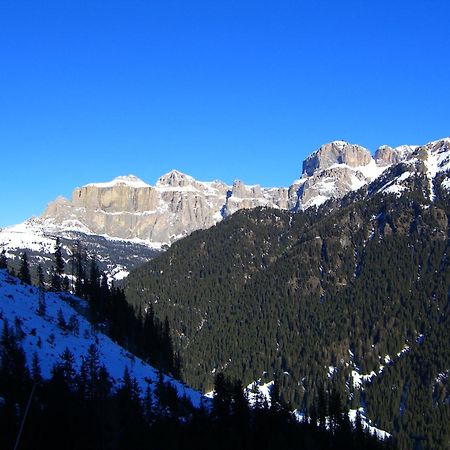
<point x="128" y="209"/>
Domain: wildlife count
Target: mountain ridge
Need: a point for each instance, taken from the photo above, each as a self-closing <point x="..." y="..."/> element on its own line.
<point x="129" y="213"/>
<point x="323" y="297"/>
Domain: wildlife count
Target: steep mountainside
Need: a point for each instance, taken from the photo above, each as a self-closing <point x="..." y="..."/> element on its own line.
<point x="65" y="384"/>
<point x="122" y="216"/>
<point x="43" y="335"/>
<point x="353" y="295"/>
<point x="116" y="257"/>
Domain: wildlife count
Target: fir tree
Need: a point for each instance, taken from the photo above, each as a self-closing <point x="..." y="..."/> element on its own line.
<point x="3" y="260"/>
<point x="40" y="276"/>
<point x="61" y="320"/>
<point x="59" y="261"/>
<point x="24" y="271"/>
<point x="36" y="374"/>
<point x="42" y="308"/>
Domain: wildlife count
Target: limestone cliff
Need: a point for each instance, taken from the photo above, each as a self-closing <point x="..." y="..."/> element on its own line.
<point x="129" y="208"/>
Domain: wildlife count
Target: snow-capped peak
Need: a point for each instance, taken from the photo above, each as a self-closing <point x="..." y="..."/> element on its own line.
<point x="174" y="178"/>
<point x="127" y="180"/>
<point x="437" y="160"/>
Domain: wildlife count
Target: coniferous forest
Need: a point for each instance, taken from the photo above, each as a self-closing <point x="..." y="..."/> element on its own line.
<point x="319" y="299"/>
<point x="81" y="407"/>
<point x="81" y="410"/>
<point x="343" y="310"/>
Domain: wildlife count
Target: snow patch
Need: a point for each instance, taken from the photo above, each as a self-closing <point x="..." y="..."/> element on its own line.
<point x="366" y="423"/>
<point x="43" y="336"/>
<point x="128" y="180"/>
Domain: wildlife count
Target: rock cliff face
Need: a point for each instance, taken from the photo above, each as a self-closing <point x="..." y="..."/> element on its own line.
<point x="128" y="208"/>
<point x="385" y="155"/>
<point x="334" y="170"/>
<point x="337" y="152"/>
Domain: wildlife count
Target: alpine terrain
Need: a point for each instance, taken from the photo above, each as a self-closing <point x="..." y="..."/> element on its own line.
<point x="331" y="296"/>
<point x="352" y="296"/>
<point x="125" y="222"/>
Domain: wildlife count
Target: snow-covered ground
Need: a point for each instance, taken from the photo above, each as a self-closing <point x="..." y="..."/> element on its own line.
<point x="365" y="422"/>
<point x="43" y="336"/>
<point x="258" y="388"/>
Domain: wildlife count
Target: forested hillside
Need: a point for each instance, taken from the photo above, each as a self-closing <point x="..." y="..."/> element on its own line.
<point x="353" y="296"/>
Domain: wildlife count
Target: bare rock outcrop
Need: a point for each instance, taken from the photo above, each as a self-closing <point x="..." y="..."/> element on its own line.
<point x="129" y="208"/>
<point x="337" y="152"/>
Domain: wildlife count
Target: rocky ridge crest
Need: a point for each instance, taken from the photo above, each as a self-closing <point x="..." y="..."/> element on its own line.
<point x="127" y="208"/>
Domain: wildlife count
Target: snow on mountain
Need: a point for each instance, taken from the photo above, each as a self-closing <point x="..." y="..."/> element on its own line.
<point x="41" y="334"/>
<point x="367" y="423"/>
<point x="437" y="160"/>
<point x="127" y="211"/>
<point x="431" y="160"/>
<point x="259" y="390"/>
<point x="37" y="237"/>
<point x="129" y="180"/>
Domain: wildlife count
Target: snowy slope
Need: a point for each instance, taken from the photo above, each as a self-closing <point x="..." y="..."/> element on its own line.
<point x="19" y="302"/>
<point x="37" y="237"/>
<point x="125" y="221"/>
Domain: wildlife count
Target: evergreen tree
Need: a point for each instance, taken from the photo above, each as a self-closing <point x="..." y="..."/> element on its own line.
<point x="59" y="261"/>
<point x="24" y="271"/>
<point x="61" y="320"/>
<point x="42" y="308"/>
<point x="36" y="374"/>
<point x="58" y="268"/>
<point x="40" y="276"/>
<point x="3" y="260"/>
<point x="66" y="367"/>
<point x="222" y="398"/>
<point x="79" y="263"/>
<point x="74" y="324"/>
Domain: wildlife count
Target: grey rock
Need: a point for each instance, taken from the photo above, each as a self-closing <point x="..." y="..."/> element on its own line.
<point x="337" y="152"/>
<point x="129" y="209"/>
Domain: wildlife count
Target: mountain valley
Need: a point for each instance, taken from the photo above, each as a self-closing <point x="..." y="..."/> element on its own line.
<point x="337" y="285"/>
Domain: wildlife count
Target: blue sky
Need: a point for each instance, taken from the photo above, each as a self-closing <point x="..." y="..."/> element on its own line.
<point x="218" y="89"/>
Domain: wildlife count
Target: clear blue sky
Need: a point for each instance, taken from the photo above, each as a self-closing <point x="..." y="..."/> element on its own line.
<point x="218" y="89"/>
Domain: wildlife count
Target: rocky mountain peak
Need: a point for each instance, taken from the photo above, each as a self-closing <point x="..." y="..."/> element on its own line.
<point x="174" y="178"/>
<point x="336" y="152"/>
<point x="241" y="190"/>
<point x="127" y="180"/>
<point x="129" y="208"/>
<point x="386" y="155"/>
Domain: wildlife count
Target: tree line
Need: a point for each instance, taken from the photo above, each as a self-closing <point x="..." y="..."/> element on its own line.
<point x="137" y="330"/>
<point x="79" y="407"/>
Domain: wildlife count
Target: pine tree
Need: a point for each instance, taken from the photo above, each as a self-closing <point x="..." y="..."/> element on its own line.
<point x="3" y="260"/>
<point x="58" y="268"/>
<point x="42" y="308"/>
<point x="79" y="263"/>
<point x="61" y="320"/>
<point x="222" y="398"/>
<point x="40" y="277"/>
<point x="24" y="271"/>
<point x="66" y="365"/>
<point x="36" y="374"/>
<point x="73" y="325"/>
<point x="55" y="282"/>
<point x="59" y="261"/>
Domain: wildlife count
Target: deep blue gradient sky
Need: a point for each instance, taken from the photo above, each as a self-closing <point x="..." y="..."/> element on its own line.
<point x="218" y="89"/>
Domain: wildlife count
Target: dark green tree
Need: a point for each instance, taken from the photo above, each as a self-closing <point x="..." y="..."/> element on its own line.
<point x="24" y="271"/>
<point x="3" y="260"/>
<point x="40" y="277"/>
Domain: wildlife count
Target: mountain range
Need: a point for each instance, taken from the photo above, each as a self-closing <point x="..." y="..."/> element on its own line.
<point x="350" y="296"/>
<point x="126" y="221"/>
<point x="337" y="284"/>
